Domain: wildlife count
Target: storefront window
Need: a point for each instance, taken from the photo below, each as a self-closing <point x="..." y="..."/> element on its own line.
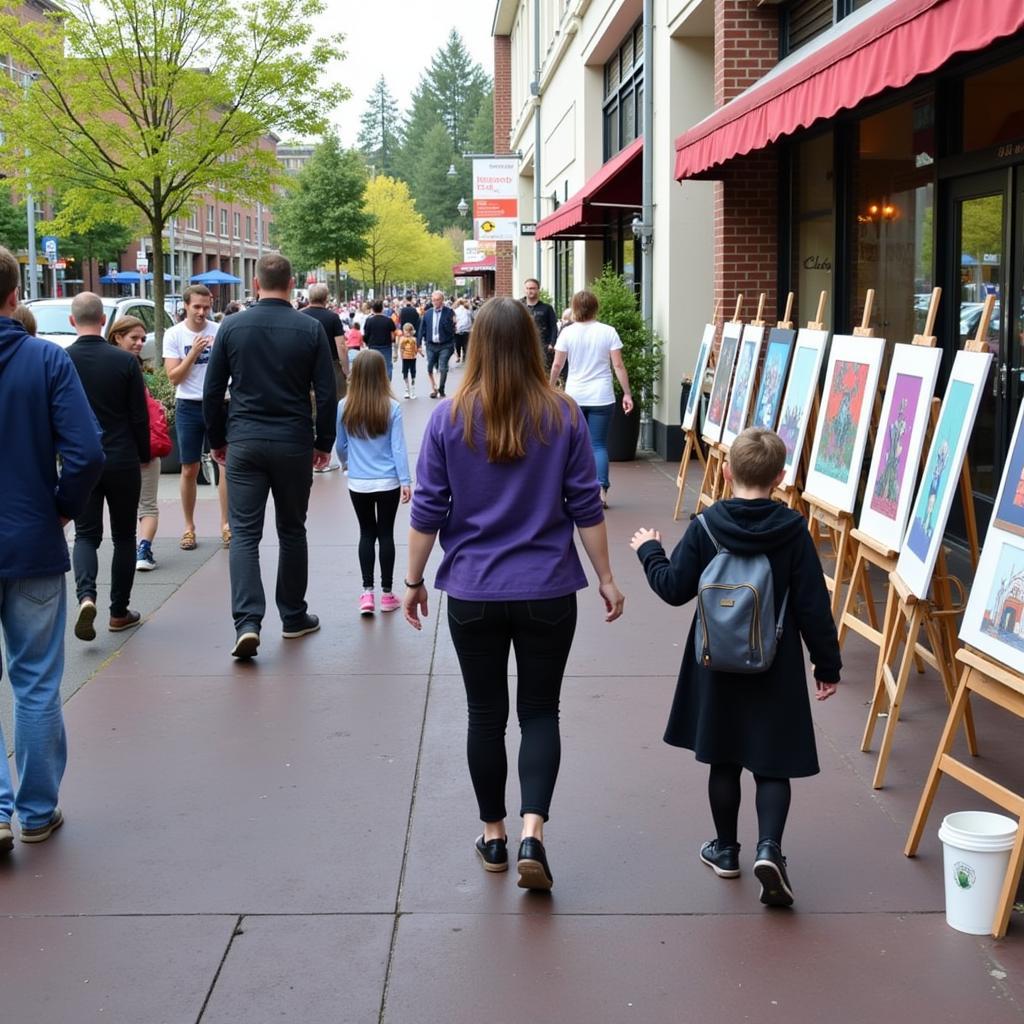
<point x="893" y="218"/>
<point x="994" y="106"/>
<point x="623" y="93"/>
<point x="814" y="220"/>
<point x="563" y="274"/>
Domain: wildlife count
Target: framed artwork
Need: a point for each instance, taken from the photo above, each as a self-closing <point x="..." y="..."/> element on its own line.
<point x="798" y="397"/>
<point x="934" y="497"/>
<point x="703" y="354"/>
<point x="898" y="444"/>
<point x="841" y="433"/>
<point x="773" y="378"/>
<point x="743" y="383"/>
<point x="1009" y="508"/>
<point x="715" y="418"/>
<point x="994" y="618"/>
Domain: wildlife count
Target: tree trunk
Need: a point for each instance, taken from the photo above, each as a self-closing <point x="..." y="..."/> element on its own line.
<point x="156" y="226"/>
<point x="337" y="281"/>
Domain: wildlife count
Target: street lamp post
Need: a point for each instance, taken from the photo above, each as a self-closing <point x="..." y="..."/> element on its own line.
<point x="27" y="79"/>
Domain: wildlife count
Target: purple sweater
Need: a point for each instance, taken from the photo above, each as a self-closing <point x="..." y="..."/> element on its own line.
<point x="506" y="529"/>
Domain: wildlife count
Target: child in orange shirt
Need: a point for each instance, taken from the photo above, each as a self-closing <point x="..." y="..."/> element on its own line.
<point x="409" y="349"/>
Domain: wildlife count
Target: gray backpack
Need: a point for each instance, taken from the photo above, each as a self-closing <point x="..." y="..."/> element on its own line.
<point x="736" y="627"/>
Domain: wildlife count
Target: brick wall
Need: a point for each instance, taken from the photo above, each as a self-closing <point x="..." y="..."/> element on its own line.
<point x="746" y="45"/>
<point x="502" y="134"/>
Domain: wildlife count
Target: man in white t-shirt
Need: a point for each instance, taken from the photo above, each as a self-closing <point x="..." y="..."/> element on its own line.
<point x="186" y="352"/>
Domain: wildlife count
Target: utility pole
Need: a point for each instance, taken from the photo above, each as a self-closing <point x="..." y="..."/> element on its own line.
<point x="27" y="78"/>
<point x="646" y="233"/>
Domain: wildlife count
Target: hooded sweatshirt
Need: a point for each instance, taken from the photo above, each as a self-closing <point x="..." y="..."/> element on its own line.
<point x="43" y="413"/>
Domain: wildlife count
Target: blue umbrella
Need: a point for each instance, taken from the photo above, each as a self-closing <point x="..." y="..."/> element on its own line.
<point x="122" y="277"/>
<point x="215" y="277"/>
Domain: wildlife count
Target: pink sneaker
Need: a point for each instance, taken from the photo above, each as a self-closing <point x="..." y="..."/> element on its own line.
<point x="366" y="604"/>
<point x="389" y="603"/>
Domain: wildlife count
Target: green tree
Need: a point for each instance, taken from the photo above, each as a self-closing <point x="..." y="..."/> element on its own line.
<point x="155" y="104"/>
<point x="13" y="223"/>
<point x="101" y="241"/>
<point x="437" y="194"/>
<point x="321" y="219"/>
<point x="380" y="132"/>
<point x="481" y="131"/>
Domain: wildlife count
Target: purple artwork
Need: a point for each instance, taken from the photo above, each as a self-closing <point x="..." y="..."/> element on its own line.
<point x="893" y="465"/>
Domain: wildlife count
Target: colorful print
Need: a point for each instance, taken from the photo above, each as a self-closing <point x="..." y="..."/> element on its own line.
<point x="798" y="394"/>
<point x="937" y="472"/>
<point x="1010" y="511"/>
<point x="893" y="466"/>
<point x="1003" y="618"/>
<point x="720" y="391"/>
<point x="773" y="378"/>
<point x="698" y="381"/>
<point x="741" y="387"/>
<point x="842" y="418"/>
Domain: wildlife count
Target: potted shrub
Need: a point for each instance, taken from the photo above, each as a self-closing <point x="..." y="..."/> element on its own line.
<point x="641" y="355"/>
<point x="162" y="390"/>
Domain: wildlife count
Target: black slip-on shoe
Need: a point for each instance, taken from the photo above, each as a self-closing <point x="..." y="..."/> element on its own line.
<point x="493" y="853"/>
<point x="532" y="863"/>
<point x="770" y="870"/>
<point x="723" y="859"/>
<point x="307" y="624"/>
<point x="246" y="645"/>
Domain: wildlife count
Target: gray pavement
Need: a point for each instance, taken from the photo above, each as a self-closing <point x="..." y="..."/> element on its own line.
<point x="292" y="839"/>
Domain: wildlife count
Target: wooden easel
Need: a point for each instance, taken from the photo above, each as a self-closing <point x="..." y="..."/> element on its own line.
<point x="713" y="481"/>
<point x="906" y="616"/>
<point x="791" y="496"/>
<point x="866" y="550"/>
<point x="998" y="684"/>
<point x="692" y="443"/>
<point x="837" y="522"/>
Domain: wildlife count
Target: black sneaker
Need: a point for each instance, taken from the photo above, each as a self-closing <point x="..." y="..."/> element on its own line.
<point x="532" y="863"/>
<point x="723" y="859"/>
<point x="770" y="869"/>
<point x="247" y="644"/>
<point x="493" y="853"/>
<point x="307" y="624"/>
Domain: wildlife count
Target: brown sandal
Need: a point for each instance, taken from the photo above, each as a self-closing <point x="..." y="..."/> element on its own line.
<point x="188" y="541"/>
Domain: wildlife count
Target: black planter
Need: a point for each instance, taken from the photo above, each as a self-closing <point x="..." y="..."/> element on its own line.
<point x="623" y="434"/>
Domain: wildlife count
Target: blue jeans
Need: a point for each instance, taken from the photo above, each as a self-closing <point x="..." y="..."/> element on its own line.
<point x="437" y="359"/>
<point x="599" y="419"/>
<point x="33" y="611"/>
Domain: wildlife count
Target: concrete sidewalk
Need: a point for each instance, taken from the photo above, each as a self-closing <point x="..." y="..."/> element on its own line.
<point x="292" y="839"/>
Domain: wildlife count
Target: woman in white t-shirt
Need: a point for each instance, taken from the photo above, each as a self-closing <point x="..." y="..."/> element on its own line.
<point x="593" y="350"/>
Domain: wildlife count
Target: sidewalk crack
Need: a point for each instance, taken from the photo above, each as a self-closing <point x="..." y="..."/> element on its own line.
<point x="235" y="931"/>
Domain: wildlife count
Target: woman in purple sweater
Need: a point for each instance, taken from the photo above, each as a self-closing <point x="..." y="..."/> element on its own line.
<point x="505" y="475"/>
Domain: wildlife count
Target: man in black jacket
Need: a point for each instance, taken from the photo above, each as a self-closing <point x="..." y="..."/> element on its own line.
<point x="543" y="316"/>
<point x="408" y="314"/>
<point x="274" y="356"/>
<point x="112" y="379"/>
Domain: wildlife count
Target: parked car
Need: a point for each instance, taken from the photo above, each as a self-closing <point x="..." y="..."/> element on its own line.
<point x="54" y="324"/>
<point x="174" y="304"/>
<point x="970" y="318"/>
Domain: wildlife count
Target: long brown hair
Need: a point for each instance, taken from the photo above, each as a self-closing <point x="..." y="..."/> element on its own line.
<point x="505" y="379"/>
<point x="368" y="402"/>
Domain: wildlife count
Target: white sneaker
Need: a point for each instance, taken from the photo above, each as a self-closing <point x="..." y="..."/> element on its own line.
<point x="412" y="390"/>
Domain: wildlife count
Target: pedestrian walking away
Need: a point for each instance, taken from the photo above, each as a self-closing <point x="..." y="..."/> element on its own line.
<point x="113" y="383"/>
<point x="187" y="350"/>
<point x="504" y="475"/>
<point x="379" y="335"/>
<point x="274" y="356"/>
<point x="44" y="413"/>
<point x="593" y="350"/>
<point x="129" y="333"/>
<point x="759" y="721"/>
<point x="371" y="440"/>
<point x="410" y="349"/>
<point x="437" y="336"/>
<point x="331" y="322"/>
<point x="463" y="324"/>
<point x="543" y="316"/>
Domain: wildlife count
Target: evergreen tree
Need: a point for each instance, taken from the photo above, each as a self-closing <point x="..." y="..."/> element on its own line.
<point x="380" y="132"/>
<point x="437" y="195"/>
<point x="456" y="84"/>
<point x="481" y="131"/>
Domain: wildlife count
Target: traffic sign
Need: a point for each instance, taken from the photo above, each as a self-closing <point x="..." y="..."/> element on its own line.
<point x="50" y="247"/>
<point x="142" y="265"/>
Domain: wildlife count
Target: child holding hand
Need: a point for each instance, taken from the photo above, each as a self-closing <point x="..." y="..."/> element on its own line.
<point x="759" y="721"/>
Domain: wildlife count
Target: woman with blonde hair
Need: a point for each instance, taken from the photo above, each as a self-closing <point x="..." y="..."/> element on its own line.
<point x="371" y="441"/>
<point x="129" y="333"/>
<point x="505" y="475"/>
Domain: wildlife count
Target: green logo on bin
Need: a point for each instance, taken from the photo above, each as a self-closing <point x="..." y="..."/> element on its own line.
<point x="963" y="875"/>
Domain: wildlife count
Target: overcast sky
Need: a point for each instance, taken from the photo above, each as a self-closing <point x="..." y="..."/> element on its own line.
<point x="397" y="38"/>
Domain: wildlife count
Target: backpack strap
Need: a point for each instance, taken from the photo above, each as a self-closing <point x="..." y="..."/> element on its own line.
<point x="707" y="529"/>
<point x="782" y="619"/>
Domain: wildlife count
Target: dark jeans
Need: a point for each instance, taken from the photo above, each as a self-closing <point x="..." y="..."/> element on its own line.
<point x="409" y="369"/>
<point x="437" y="358"/>
<point x="120" y="489"/>
<point x="541" y="633"/>
<point x="257" y="469"/>
<point x="388" y="353"/>
<point x="460" y="345"/>
<point x="376" y="511"/>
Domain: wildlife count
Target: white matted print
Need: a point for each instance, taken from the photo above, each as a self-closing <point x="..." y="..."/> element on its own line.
<point x="723" y="378"/>
<point x="899" y="442"/>
<point x="697" y="387"/>
<point x="934" y="496"/>
<point x="742" y="384"/>
<point x="851" y="382"/>
<point x="799" y="397"/>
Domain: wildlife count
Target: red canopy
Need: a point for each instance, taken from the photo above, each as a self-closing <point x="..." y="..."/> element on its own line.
<point x="617" y="184"/>
<point x="887" y="50"/>
<point x="477" y="269"/>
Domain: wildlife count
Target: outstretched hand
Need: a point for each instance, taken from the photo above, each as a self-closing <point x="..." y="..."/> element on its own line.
<point x="642" y="536"/>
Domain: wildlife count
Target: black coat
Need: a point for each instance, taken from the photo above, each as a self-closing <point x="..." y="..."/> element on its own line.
<point x="760" y="721"/>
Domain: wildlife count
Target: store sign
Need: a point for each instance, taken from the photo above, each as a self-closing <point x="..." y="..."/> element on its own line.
<point x="495" y="199"/>
<point x="472" y="251"/>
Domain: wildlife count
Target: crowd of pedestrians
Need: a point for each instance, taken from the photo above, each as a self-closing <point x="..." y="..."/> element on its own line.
<point x="513" y="466"/>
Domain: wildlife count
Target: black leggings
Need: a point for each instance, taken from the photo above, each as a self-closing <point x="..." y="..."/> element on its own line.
<point x="541" y="633"/>
<point x="376" y="511"/>
<point x="772" y="803"/>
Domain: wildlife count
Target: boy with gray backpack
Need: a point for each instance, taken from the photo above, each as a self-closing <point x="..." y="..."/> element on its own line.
<point x="742" y="698"/>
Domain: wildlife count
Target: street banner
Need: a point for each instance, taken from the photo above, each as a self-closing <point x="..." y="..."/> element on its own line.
<point x="472" y="251"/>
<point x="495" y="199"/>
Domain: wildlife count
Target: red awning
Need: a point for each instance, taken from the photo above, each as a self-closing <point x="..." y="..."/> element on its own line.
<point x="477" y="269"/>
<point x="887" y="50"/>
<point x="616" y="185"/>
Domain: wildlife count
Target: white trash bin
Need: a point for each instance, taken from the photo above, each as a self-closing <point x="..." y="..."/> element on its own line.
<point x="976" y="849"/>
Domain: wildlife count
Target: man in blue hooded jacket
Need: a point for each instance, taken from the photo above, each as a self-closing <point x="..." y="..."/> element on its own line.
<point x="43" y="414"/>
